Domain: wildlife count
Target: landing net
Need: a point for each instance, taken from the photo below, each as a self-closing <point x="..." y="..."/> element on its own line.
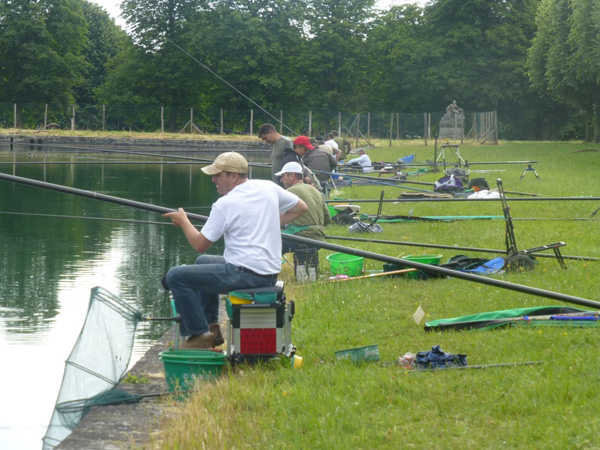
<point x="97" y="363"/>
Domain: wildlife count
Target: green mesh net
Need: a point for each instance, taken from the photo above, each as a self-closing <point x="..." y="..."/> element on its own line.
<point x="97" y="363"/>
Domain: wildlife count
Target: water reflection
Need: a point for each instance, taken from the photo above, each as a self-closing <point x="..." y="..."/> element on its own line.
<point x="49" y="263"/>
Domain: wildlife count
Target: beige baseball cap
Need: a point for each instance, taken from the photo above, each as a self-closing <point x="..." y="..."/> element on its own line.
<point x="227" y="162"/>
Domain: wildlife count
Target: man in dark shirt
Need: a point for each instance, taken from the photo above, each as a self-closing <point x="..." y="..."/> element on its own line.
<point x="319" y="161"/>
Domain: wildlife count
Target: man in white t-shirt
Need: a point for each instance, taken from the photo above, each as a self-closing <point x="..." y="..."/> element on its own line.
<point x="363" y="160"/>
<point x="331" y="142"/>
<point x="249" y="217"/>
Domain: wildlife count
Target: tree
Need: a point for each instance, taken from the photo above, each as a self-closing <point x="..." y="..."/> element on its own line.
<point x="41" y="46"/>
<point x="154" y="71"/>
<point x="563" y="59"/>
<point x="476" y="54"/>
<point x="336" y="32"/>
<point x="397" y="47"/>
<point x="256" y="48"/>
<point x="104" y="40"/>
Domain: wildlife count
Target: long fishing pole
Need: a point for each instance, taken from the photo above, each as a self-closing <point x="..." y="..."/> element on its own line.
<point x="402" y="182"/>
<point x="111" y="162"/>
<point x="466" y="164"/>
<point x="453" y="247"/>
<point x="441" y="199"/>
<point x="230" y="85"/>
<point x="325" y="245"/>
<point x="104" y="219"/>
<point x="116" y="144"/>
<point x="156" y="155"/>
<point x="423" y="183"/>
<point x="373" y="181"/>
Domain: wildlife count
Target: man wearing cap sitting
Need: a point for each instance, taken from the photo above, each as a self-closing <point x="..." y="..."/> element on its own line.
<point x="248" y="216"/>
<point x="300" y="148"/>
<point x="311" y="224"/>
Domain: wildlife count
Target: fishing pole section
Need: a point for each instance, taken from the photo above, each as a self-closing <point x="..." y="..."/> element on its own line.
<point x="324" y="245"/>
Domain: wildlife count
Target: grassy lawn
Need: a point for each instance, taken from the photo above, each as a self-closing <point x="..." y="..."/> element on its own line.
<point x="331" y="404"/>
<point x="337" y="404"/>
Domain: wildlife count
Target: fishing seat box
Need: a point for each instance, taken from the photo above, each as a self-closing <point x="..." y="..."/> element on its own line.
<point x="259" y="331"/>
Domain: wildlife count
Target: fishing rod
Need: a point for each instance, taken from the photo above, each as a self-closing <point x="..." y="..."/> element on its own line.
<point x="466" y="164"/>
<point x="106" y="219"/>
<point x="453" y="199"/>
<point x="230" y="85"/>
<point x="375" y="181"/>
<point x="453" y="247"/>
<point x="477" y="366"/>
<point x="556" y="218"/>
<point x="324" y="245"/>
<point x="147" y="143"/>
<point x="110" y="162"/>
<point x="424" y="183"/>
<point x="455" y="218"/>
<point x="156" y="155"/>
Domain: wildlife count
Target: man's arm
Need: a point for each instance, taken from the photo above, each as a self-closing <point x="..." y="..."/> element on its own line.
<point x="332" y="162"/>
<point x="196" y="239"/>
<point x="292" y="214"/>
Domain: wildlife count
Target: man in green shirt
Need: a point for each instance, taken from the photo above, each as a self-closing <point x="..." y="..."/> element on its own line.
<point x="269" y="134"/>
<point x="312" y="223"/>
<point x="344" y="145"/>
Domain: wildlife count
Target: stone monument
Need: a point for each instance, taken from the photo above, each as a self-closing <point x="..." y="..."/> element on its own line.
<point x="452" y="124"/>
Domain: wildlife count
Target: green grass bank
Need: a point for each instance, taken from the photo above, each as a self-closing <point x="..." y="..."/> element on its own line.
<point x="337" y="404"/>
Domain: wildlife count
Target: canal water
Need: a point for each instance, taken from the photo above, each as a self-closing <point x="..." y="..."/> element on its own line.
<point x="56" y="247"/>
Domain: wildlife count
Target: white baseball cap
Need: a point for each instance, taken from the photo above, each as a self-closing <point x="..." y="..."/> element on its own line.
<point x="291" y="167"/>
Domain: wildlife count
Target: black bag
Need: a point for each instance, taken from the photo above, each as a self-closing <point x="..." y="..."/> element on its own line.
<point x="479" y="183"/>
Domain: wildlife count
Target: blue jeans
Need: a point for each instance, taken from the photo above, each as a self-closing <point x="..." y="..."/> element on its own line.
<point x="196" y="290"/>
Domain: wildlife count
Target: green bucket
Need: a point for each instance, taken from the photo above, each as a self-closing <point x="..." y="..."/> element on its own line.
<point x="184" y="367"/>
<point x="341" y="263"/>
<point x="332" y="211"/>
<point x="423" y="259"/>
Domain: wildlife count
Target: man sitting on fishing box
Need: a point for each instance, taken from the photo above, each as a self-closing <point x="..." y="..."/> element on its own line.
<point x="249" y="217"/>
<point x="312" y="224"/>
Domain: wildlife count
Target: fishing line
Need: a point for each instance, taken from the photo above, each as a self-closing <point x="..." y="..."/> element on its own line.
<point x="231" y="86"/>
<point x="157" y="155"/>
<point x="107" y="219"/>
<point x="455" y="199"/>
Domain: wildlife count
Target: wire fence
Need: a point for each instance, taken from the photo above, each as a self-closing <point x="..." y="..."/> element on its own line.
<point x="480" y="126"/>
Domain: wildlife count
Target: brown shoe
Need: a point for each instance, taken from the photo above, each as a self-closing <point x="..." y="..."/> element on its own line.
<point x="215" y="329"/>
<point x="199" y="341"/>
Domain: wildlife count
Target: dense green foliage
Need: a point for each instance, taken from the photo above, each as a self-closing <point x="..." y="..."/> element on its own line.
<point x="533" y="61"/>
<point x="564" y="57"/>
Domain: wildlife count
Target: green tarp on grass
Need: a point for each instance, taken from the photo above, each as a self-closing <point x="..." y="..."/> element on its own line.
<point x="541" y="315"/>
